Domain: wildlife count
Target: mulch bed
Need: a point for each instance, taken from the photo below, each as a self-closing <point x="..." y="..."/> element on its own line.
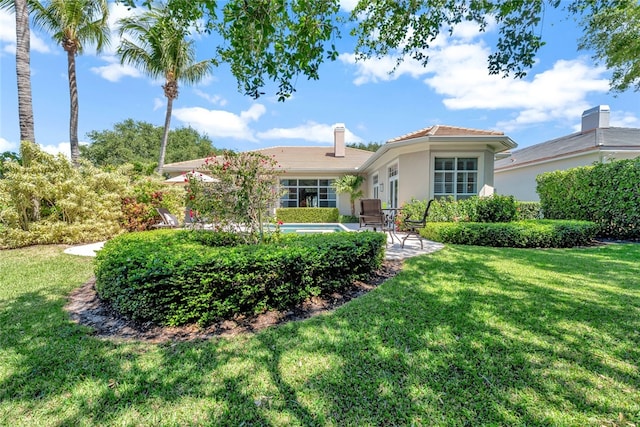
<point x="86" y="308"/>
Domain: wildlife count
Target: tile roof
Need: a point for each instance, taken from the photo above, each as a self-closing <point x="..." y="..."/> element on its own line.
<point x="441" y="130"/>
<point x="297" y="159"/>
<point x="576" y="143"/>
<point x="301" y="159"/>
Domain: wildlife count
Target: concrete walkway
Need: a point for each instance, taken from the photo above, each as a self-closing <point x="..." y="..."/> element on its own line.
<point x="393" y="251"/>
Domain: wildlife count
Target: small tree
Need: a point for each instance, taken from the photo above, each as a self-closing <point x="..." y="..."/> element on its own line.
<point x="243" y="196"/>
<point x="350" y="184"/>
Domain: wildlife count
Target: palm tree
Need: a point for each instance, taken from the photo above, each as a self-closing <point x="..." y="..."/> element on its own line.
<point x="23" y="67"/>
<point x="350" y="184"/>
<point x="72" y="23"/>
<point x="159" y="48"/>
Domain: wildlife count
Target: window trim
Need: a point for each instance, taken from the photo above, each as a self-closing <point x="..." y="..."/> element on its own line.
<point x="457" y="155"/>
<point x="331" y="202"/>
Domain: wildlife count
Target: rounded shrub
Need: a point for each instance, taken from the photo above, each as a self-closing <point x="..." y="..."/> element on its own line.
<point x="175" y="277"/>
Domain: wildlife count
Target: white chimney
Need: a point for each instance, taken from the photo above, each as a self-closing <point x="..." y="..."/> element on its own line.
<point x="596" y="117"/>
<point x="338" y="140"/>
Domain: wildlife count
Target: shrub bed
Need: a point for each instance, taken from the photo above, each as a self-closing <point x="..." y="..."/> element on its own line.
<point x="518" y="234"/>
<point x="299" y="215"/>
<point x="174" y="277"/>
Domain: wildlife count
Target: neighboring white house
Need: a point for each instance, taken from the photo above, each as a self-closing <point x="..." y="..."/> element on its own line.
<point x="437" y="161"/>
<point x="596" y="142"/>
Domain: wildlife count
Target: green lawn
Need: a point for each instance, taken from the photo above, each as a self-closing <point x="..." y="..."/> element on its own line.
<point x="465" y="336"/>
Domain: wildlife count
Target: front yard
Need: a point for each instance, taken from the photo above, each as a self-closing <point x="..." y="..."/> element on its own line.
<point x="464" y="336"/>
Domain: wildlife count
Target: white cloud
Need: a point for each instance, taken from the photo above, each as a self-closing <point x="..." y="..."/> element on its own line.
<point x="457" y="70"/>
<point x="8" y="35"/>
<point x="8" y="146"/>
<point x="348" y="5"/>
<point x="214" y="99"/>
<point x="61" y="148"/>
<point x="379" y="69"/>
<point x="310" y="131"/>
<point x="114" y="71"/>
<point x="158" y="103"/>
<point x="219" y="123"/>
<point x="624" y="119"/>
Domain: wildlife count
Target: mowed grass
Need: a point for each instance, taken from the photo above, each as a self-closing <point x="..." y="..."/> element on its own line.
<point x="465" y="336"/>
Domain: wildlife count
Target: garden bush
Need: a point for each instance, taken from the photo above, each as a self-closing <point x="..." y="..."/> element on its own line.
<point x="175" y="277"/>
<point x="528" y="210"/>
<point x="495" y="208"/>
<point x="145" y="194"/>
<point x="307" y="215"/>
<point x="517" y="234"/>
<point x="605" y="193"/>
<point x="47" y="200"/>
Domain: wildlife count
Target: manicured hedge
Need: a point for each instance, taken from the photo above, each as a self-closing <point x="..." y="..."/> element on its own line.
<point x="518" y="234"/>
<point x="179" y="277"/>
<point x="528" y="210"/>
<point x="605" y="193"/>
<point x="311" y="215"/>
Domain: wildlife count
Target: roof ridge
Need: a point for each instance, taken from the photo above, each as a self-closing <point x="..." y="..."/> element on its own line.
<point x="397" y="138"/>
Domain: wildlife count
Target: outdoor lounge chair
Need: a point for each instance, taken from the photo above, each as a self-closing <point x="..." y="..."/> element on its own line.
<point x="414" y="225"/>
<point x="371" y="214"/>
<point x="168" y="219"/>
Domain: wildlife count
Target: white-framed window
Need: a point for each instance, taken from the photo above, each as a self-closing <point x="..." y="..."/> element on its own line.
<point x="455" y="176"/>
<point x="376" y="186"/>
<point x="308" y="192"/>
<point x="392" y="172"/>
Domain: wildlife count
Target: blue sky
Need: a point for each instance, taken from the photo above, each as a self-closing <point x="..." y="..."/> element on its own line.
<point x="454" y="89"/>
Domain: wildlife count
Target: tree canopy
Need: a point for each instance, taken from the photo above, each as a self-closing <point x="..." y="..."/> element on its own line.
<point x="281" y="39"/>
<point x="160" y="48"/>
<point x="139" y="142"/>
<point x="614" y="36"/>
<point x="369" y="146"/>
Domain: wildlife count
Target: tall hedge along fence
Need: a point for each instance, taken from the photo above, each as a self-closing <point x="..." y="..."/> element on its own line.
<point x="174" y="277"/>
<point x="605" y="193"/>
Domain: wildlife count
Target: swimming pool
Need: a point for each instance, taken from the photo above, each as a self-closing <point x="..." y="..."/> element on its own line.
<point x="302" y="228"/>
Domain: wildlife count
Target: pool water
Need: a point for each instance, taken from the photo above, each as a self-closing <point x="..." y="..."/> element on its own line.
<point x="302" y="228"/>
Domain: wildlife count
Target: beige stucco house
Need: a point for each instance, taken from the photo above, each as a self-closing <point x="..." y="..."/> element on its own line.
<point x="596" y="142"/>
<point x="433" y="162"/>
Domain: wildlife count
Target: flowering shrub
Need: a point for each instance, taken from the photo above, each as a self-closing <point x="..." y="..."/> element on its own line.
<point x="146" y="194"/>
<point x="243" y="196"/>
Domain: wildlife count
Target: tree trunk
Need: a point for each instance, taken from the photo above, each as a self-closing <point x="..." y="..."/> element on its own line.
<point x="73" y="95"/>
<point x="165" y="135"/>
<point x="23" y="72"/>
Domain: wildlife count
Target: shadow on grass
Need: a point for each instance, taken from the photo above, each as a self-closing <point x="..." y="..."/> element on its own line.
<point x="454" y="339"/>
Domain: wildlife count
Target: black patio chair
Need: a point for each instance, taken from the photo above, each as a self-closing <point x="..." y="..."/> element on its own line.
<point x="414" y="225"/>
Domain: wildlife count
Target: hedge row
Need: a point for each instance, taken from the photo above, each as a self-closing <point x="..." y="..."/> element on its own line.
<point x="518" y="234"/>
<point x="496" y="208"/>
<point x="178" y="277"/>
<point x="310" y="215"/>
<point x="605" y="193"/>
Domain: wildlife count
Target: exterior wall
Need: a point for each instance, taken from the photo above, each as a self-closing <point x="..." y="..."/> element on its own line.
<point x="521" y="182"/>
<point x="415" y="171"/>
<point x="415" y="176"/>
